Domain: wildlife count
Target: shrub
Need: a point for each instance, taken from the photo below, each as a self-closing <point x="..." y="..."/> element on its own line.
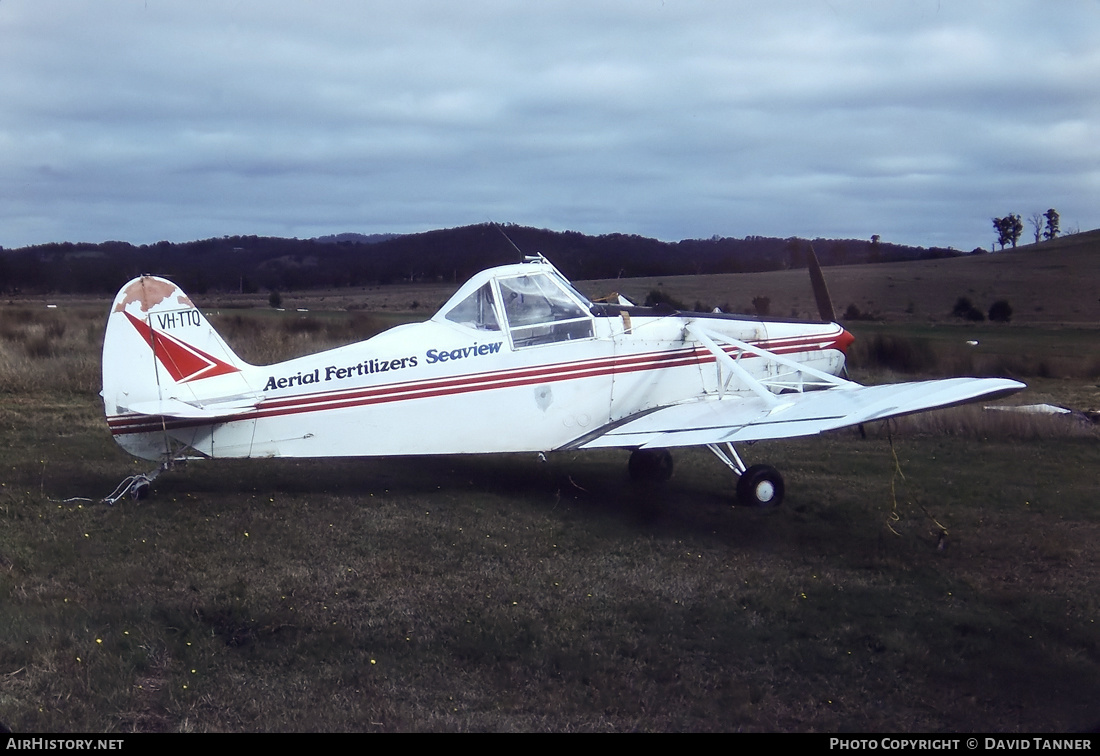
<point x="964" y="308"/>
<point x="658" y="298"/>
<point x="1000" y="311"/>
<point x="902" y="355"/>
<point x="854" y="313"/>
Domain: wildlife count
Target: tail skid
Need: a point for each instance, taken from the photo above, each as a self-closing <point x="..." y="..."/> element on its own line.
<point x="162" y="359"/>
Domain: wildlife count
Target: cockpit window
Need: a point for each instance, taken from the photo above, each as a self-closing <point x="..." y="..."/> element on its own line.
<point x="540" y="310"/>
<point x="476" y="311"/>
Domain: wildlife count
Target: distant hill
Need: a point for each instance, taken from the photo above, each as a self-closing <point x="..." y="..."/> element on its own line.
<point x="1082" y="240"/>
<point x="1048" y="283"/>
<point x="354" y="238"/>
<point x="252" y="263"/>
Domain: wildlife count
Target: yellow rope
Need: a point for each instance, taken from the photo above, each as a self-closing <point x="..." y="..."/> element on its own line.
<point x="894" y="515"/>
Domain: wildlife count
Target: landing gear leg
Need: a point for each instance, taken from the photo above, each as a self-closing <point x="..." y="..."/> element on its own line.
<point x="757" y="486"/>
<point x="650" y="465"/>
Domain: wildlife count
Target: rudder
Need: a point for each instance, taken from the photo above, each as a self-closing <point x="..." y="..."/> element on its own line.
<point x="163" y="359"/>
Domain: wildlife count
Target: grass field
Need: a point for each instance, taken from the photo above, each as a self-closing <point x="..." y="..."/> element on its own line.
<point x="951" y="588"/>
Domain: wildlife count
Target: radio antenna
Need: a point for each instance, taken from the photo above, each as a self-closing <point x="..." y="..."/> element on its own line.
<point x="501" y="230"/>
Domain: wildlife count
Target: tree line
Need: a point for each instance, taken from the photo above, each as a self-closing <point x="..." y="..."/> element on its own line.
<point x="253" y="263"/>
<point x="1010" y="227"/>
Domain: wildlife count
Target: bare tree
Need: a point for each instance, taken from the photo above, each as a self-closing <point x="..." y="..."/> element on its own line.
<point x="1037" y="223"/>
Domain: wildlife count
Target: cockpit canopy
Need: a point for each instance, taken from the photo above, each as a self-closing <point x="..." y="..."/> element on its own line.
<point x="532" y="303"/>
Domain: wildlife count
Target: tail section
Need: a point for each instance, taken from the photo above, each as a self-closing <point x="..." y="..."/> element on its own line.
<point x="163" y="363"/>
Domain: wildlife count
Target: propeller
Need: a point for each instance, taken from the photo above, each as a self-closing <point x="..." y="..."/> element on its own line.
<point x="825" y="306"/>
<point x="821" y="290"/>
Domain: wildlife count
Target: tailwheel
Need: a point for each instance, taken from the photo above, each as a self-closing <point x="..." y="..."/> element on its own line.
<point x="650" y="465"/>
<point x="760" y="486"/>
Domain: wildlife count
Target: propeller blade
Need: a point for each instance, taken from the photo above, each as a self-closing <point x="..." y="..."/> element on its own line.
<point x="821" y="291"/>
<point x="825" y="304"/>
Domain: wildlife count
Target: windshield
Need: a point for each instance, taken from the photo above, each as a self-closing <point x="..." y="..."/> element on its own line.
<point x="541" y="308"/>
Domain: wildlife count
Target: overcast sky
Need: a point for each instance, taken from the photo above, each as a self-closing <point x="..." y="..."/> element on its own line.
<point x="918" y="120"/>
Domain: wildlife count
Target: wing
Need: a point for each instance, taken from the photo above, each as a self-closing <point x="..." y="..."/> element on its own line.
<point x="743" y="417"/>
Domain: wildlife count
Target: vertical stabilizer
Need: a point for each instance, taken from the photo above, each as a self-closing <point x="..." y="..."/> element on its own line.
<point x="160" y="354"/>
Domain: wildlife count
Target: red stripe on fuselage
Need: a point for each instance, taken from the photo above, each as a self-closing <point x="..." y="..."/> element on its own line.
<point x="473" y="382"/>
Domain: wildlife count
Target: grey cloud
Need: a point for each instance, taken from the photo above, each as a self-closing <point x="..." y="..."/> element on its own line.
<point x="915" y="120"/>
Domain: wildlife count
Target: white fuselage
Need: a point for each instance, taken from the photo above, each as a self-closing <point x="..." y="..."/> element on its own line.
<point x="441" y="387"/>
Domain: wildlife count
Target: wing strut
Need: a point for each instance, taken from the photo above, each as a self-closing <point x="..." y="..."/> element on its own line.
<point x="758" y="388"/>
<point x="730" y="458"/>
<point x="709" y="339"/>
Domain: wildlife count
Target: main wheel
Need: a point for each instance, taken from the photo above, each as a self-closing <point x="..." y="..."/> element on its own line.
<point x="650" y="465"/>
<point x="760" y="486"/>
<point x="140" y="490"/>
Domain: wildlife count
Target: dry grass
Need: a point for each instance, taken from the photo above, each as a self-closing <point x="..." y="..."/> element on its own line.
<point x="975" y="422"/>
<point x="1066" y="353"/>
<point x="50" y="349"/>
<point x="265" y="337"/>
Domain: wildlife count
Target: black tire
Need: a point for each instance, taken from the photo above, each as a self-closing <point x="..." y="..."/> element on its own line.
<point x="141" y="490"/>
<point x="760" y="486"/>
<point x="650" y="465"/>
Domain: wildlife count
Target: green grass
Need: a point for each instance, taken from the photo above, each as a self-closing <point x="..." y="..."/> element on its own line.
<point x="504" y="593"/>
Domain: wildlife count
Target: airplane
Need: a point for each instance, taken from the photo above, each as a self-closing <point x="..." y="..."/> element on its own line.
<point x="517" y="360"/>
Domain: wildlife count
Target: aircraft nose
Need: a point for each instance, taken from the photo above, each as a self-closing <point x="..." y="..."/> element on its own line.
<point x="844" y="340"/>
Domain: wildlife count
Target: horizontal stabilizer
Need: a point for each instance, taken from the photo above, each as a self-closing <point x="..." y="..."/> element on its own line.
<point x="179" y="409"/>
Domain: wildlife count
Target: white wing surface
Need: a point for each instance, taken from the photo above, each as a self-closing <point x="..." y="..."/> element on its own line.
<point x="747" y="417"/>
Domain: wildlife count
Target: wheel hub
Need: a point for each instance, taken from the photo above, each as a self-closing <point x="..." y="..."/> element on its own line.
<point x="765" y="491"/>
